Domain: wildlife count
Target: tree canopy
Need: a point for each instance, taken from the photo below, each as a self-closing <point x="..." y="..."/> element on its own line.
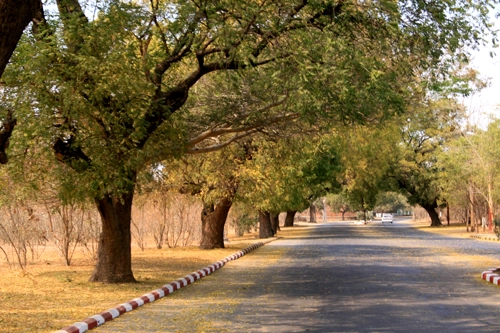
<point x="142" y="82"/>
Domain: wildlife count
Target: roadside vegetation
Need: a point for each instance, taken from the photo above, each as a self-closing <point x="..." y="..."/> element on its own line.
<point x="129" y="127"/>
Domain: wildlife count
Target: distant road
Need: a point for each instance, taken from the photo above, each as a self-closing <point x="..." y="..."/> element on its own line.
<point x="338" y="277"/>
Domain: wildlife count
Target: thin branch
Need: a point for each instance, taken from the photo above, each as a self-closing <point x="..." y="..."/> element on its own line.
<point x="246" y="132"/>
<point x="224" y="130"/>
<point x="221" y="145"/>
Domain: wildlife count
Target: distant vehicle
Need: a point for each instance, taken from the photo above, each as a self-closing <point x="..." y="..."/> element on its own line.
<point x="387" y="217"/>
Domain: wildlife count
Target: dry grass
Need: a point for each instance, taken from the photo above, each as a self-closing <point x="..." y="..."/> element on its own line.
<point x="50" y="296"/>
<point x="456" y="230"/>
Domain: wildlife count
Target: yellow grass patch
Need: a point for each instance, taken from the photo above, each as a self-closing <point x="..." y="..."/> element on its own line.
<point x="456" y="230"/>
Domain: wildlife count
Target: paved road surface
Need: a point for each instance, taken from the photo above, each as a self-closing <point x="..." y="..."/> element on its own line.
<point x="338" y="278"/>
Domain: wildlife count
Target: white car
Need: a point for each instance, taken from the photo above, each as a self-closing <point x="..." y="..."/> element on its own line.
<point x="386" y="217"/>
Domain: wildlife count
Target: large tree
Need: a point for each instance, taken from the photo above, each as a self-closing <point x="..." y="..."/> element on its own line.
<point x="416" y="169"/>
<point x="289" y="175"/>
<point x="15" y="15"/>
<point x="366" y="155"/>
<point x="111" y="95"/>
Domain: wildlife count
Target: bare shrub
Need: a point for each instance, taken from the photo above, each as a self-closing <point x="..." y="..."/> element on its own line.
<point x="244" y="219"/>
<point x="20" y="233"/>
<point x="66" y="227"/>
<point x="91" y="231"/>
<point x="184" y="226"/>
<point x="167" y="218"/>
<point x="139" y="232"/>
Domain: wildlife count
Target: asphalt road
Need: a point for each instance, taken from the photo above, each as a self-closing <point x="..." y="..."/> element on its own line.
<point x="338" y="278"/>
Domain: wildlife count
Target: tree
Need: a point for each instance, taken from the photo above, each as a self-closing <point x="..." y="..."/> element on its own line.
<point x="339" y="203"/>
<point x="216" y="186"/>
<point x="424" y="135"/>
<point x="366" y="155"/>
<point x="111" y="96"/>
<point x="14" y="18"/>
<point x="15" y="15"/>
<point x="288" y="176"/>
<point x="469" y="170"/>
<point x="390" y="202"/>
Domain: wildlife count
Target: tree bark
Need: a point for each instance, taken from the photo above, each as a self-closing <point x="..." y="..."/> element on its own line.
<point x="275" y="222"/>
<point x="114" y="257"/>
<point x="6" y="129"/>
<point x="290" y="216"/>
<point x="265" y="228"/>
<point x="312" y="213"/>
<point x="490" y="206"/>
<point x="431" y="210"/>
<point x="15" y="15"/>
<point x="343" y="215"/>
<point x="213" y="219"/>
<point x="448" y="213"/>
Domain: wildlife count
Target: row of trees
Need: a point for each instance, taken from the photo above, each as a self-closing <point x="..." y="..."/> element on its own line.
<point x="470" y="168"/>
<point x="136" y="93"/>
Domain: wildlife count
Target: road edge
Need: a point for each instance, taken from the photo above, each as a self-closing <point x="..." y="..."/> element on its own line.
<point x="491" y="276"/>
<point x="103" y="317"/>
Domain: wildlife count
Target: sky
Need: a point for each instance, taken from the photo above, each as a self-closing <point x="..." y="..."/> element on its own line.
<point x="485" y="104"/>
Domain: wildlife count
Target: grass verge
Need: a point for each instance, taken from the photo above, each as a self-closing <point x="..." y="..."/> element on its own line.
<point x="49" y="296"/>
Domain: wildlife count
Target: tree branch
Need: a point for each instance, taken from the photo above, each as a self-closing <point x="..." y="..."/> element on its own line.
<point x="245" y="131"/>
<point x="225" y="129"/>
<point x="221" y="145"/>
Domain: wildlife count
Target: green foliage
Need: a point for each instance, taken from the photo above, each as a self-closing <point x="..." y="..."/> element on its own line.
<point x="291" y="174"/>
<point x="111" y="95"/>
<point x="245" y="218"/>
<point x="367" y="153"/>
<point x="338" y="202"/>
<point x="470" y="162"/>
<point x="145" y="82"/>
<point x="425" y="134"/>
<point x="390" y="202"/>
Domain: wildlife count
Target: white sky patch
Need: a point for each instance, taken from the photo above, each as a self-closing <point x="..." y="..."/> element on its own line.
<point x="486" y="104"/>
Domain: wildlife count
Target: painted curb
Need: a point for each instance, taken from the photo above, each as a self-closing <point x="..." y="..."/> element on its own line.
<point x="103" y="317"/>
<point x="488" y="238"/>
<point x="491" y="276"/>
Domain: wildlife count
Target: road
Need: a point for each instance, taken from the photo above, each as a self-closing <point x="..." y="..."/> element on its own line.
<point x="338" y="277"/>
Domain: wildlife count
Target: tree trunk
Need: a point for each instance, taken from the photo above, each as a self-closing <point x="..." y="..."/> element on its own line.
<point x="312" y="213"/>
<point x="431" y="210"/>
<point x="490" y="207"/>
<point x="448" y="213"/>
<point x="343" y="215"/>
<point x="6" y="128"/>
<point x="213" y="219"/>
<point x="275" y="222"/>
<point x="290" y="216"/>
<point x="265" y="228"/>
<point x="15" y="15"/>
<point x="114" y="257"/>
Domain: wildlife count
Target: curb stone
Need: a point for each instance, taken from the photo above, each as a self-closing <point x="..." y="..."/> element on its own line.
<point x="489" y="238"/>
<point x="99" y="319"/>
<point x="491" y="276"/>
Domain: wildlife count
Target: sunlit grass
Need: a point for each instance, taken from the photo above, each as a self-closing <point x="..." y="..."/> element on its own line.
<point x="49" y="296"/>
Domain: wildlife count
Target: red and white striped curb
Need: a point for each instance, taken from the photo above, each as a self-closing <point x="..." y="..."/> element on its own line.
<point x="491" y="276"/>
<point x="489" y="238"/>
<point x="99" y="319"/>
